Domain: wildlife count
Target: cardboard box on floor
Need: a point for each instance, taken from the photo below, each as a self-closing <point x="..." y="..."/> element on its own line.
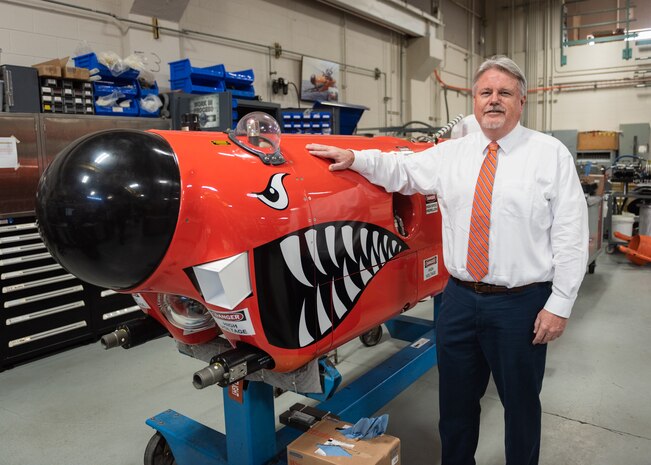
<point x="382" y="450"/>
<point x="58" y="68"/>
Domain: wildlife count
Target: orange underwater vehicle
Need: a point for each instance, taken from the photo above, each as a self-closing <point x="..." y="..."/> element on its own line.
<point x="243" y="236"/>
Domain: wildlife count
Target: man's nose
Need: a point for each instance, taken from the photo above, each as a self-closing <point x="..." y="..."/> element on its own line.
<point x="495" y="97"/>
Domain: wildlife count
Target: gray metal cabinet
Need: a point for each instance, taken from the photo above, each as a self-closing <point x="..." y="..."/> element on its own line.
<point x="42" y="307"/>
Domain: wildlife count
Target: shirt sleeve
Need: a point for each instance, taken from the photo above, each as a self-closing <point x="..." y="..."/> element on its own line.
<point x="569" y="237"/>
<point x="397" y="172"/>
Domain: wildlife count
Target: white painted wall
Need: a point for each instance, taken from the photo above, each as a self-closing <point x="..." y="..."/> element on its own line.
<point x="536" y="48"/>
<point x="238" y="34"/>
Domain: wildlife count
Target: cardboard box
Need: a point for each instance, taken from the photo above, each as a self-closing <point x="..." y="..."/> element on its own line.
<point x="598" y="140"/>
<point x="592" y="179"/>
<point x="306" y="450"/>
<point x="58" y="68"/>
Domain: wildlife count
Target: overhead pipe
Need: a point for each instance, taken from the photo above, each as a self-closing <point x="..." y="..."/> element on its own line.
<point x="573" y="86"/>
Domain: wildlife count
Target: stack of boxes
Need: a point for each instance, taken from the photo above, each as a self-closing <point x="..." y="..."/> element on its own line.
<point x="117" y="95"/>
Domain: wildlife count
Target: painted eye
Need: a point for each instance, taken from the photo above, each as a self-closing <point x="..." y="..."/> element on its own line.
<point x="274" y="195"/>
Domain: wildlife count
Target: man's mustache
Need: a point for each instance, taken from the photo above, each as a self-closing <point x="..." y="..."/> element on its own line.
<point x="495" y="108"/>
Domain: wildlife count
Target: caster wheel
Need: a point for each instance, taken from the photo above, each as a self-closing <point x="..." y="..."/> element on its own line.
<point x="591" y="267"/>
<point x="610" y="249"/>
<point x="372" y="337"/>
<point x="158" y="451"/>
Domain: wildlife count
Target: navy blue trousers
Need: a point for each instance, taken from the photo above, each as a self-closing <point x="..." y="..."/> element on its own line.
<point x="480" y="334"/>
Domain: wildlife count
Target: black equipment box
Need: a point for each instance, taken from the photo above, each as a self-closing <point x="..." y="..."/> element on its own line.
<point x="21" y="90"/>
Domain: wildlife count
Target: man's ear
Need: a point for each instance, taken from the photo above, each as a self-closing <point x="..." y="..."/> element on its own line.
<point x="523" y="100"/>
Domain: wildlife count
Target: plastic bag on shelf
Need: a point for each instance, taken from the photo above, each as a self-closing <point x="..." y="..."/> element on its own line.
<point x="109" y="100"/>
<point x="151" y="103"/>
<point x="113" y="62"/>
<point x="138" y="62"/>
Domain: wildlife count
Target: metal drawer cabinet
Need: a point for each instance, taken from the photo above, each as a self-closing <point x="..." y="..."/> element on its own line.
<point x="42" y="307"/>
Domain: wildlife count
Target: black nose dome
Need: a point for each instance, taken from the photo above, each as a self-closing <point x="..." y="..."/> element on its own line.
<point x="108" y="204"/>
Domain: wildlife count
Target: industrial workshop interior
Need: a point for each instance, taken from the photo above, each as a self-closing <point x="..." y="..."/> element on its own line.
<point x="200" y="201"/>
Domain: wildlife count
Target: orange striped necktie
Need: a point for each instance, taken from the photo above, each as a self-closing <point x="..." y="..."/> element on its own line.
<point x="480" y="220"/>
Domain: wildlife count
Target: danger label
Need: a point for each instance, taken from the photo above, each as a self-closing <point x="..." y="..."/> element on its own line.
<point x="237" y="322"/>
<point x="430" y="267"/>
<point x="431" y="204"/>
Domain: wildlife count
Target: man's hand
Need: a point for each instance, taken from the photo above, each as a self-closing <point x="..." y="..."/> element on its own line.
<point x="548" y="327"/>
<point x="342" y="158"/>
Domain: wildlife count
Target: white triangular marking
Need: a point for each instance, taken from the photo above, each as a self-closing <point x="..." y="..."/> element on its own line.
<point x="291" y="249"/>
<point x="310" y="237"/>
<point x="363" y="235"/>
<point x="347" y="235"/>
<point x="351" y="289"/>
<point x="324" y="318"/>
<point x="330" y="242"/>
<point x="340" y="308"/>
<point x="304" y="336"/>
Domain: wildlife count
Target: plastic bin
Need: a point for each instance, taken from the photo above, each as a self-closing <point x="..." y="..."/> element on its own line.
<point x="242" y="78"/>
<point x="106" y="88"/>
<point x="131" y="110"/>
<point x="89" y="61"/>
<point x="147" y="89"/>
<point x="148" y="114"/>
<point x="183" y="76"/>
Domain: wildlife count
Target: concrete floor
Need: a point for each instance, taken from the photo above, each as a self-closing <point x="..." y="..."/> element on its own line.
<point x="88" y="406"/>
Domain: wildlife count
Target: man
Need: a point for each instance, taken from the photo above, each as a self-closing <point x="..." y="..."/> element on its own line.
<point x="515" y="237"/>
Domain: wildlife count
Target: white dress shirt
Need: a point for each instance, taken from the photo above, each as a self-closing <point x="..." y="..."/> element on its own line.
<point x="539" y="216"/>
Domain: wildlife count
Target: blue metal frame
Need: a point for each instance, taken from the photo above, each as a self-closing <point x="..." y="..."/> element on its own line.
<point x="252" y="439"/>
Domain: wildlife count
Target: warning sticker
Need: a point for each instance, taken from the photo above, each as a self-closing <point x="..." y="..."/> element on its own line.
<point x="430" y="267"/>
<point x="237" y="322"/>
<point x="431" y="204"/>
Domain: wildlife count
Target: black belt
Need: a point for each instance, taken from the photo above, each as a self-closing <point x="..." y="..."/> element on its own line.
<point x="485" y="288"/>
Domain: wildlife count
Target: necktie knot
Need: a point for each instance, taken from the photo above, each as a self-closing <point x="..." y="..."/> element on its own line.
<point x="493" y="146"/>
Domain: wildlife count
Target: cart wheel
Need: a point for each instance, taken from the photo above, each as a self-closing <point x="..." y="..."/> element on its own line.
<point x="610" y="249"/>
<point x="158" y="451"/>
<point x="591" y="267"/>
<point x="372" y="337"/>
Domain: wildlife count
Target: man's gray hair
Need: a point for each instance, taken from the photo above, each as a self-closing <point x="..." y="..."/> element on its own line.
<point x="503" y="63"/>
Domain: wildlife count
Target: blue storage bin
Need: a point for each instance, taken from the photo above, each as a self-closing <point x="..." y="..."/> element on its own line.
<point x="131" y="110"/>
<point x="193" y="80"/>
<point x="242" y="78"/>
<point x="148" y="89"/>
<point x="242" y="93"/>
<point x="106" y="88"/>
<point x="182" y="69"/>
<point x="193" y="87"/>
<point x="89" y="61"/>
<point x="148" y="114"/>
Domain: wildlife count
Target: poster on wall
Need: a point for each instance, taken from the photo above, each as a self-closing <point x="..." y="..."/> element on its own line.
<point x="319" y="79"/>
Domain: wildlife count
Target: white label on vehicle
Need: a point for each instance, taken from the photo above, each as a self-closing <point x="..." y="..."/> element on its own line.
<point x="430" y="267"/>
<point x="431" y="204"/>
<point x="236" y="322"/>
<point x="140" y="301"/>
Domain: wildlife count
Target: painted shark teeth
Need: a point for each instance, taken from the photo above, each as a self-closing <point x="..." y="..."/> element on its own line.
<point x="327" y="268"/>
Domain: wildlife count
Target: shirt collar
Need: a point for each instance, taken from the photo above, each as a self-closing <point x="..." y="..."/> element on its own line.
<point x="506" y="143"/>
